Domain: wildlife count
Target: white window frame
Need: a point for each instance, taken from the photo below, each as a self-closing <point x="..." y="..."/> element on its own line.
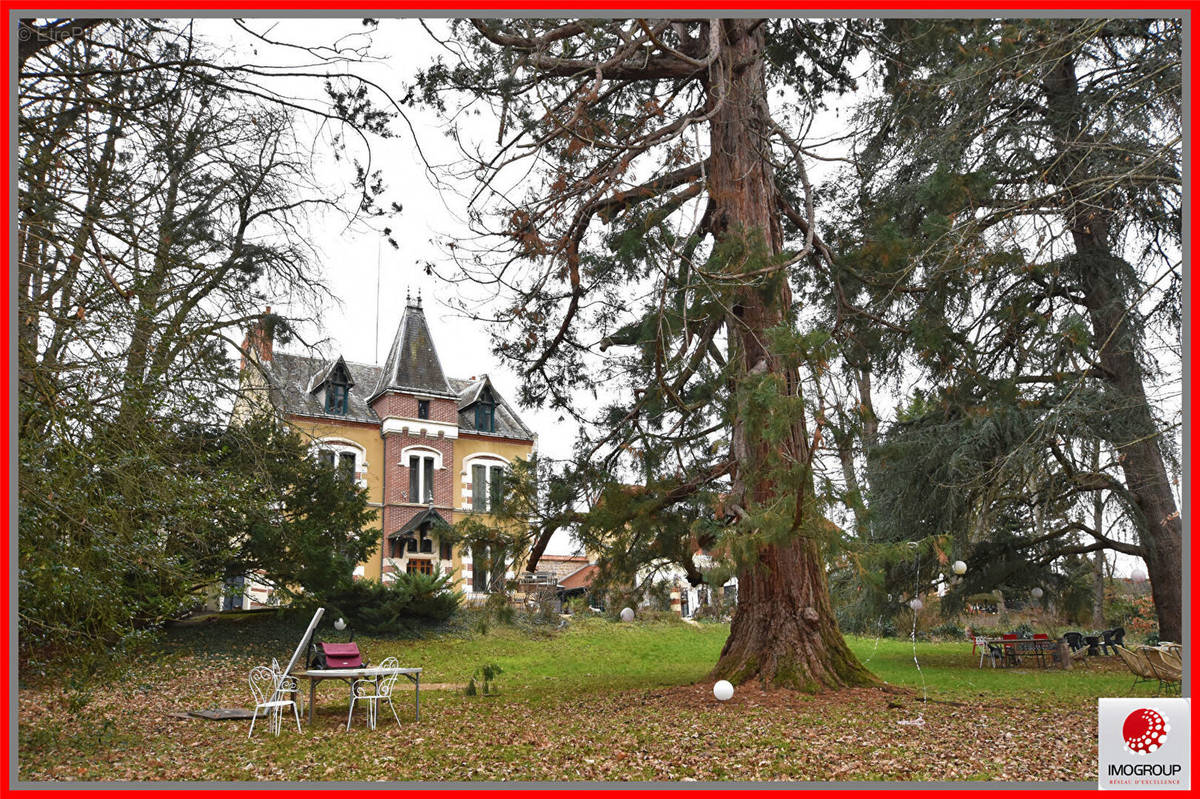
<point x="423" y="454"/>
<point x="490" y="461"/>
<point x="340" y="446"/>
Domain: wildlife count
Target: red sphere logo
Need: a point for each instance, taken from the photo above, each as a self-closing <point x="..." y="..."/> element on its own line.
<point x="1145" y="731"/>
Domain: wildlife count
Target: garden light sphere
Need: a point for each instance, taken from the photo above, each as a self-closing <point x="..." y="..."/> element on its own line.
<point x="960" y="568"/>
<point x="340" y="624"/>
<point x="916" y="604"/>
<point x="1037" y="593"/>
<point x="627" y="614"/>
<point x="723" y="690"/>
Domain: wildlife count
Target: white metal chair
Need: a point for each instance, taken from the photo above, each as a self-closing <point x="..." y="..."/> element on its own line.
<point x="269" y="688"/>
<point x="380" y="691"/>
<point x="986" y="650"/>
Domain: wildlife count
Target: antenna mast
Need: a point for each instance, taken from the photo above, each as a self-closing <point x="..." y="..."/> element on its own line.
<point x="378" y="260"/>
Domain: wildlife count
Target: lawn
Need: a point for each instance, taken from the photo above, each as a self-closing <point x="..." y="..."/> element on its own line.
<point x="597" y="701"/>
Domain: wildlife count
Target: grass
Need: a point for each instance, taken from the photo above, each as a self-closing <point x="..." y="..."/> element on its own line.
<point x="950" y="672"/>
<point x="599" y="700"/>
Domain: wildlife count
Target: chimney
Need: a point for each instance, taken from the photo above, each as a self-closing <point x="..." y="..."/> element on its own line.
<point x="260" y="339"/>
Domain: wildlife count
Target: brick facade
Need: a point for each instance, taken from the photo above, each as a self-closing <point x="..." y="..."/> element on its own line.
<point x="404" y="406"/>
<point x="396" y="471"/>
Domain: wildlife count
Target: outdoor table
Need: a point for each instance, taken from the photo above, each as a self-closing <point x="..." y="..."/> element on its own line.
<point x="1037" y="647"/>
<point x="315" y="676"/>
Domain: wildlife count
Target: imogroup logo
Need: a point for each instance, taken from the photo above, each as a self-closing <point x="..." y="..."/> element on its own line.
<point x="1145" y="743"/>
<point x="1145" y="730"/>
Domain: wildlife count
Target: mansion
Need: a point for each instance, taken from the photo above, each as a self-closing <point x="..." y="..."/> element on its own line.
<point x="430" y="449"/>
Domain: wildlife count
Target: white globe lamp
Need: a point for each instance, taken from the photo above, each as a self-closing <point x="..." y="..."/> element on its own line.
<point x="340" y="624"/>
<point x="916" y="604"/>
<point x="723" y="690"/>
<point x="960" y="568"/>
<point x="626" y="614"/>
<point x="1037" y="593"/>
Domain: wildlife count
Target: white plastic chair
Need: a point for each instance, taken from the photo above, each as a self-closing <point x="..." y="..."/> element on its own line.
<point x="269" y="688"/>
<point x="985" y="651"/>
<point x="379" y="692"/>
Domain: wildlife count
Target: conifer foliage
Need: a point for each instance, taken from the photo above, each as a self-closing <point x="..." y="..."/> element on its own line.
<point x="632" y="218"/>
<point x="1018" y="223"/>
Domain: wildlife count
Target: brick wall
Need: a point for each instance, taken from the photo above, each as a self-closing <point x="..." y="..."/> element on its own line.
<point x="560" y="567"/>
<point x="397" y="472"/>
<point x="405" y="406"/>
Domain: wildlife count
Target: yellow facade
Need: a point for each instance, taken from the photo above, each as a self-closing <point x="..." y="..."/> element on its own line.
<point x="467" y="448"/>
<point x="367" y="439"/>
<point x="364" y="437"/>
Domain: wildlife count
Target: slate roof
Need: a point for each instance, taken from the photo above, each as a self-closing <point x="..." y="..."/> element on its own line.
<point x="324" y="374"/>
<point x="293" y="386"/>
<point x="294" y="380"/>
<point x="412" y="364"/>
<point x="507" y="423"/>
<point x="435" y="519"/>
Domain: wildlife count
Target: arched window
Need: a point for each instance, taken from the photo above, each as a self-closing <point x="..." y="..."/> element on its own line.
<point x="487" y="473"/>
<point x="344" y="455"/>
<point x="421" y="463"/>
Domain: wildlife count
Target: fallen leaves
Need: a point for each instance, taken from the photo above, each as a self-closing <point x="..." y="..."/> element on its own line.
<point x="589" y="729"/>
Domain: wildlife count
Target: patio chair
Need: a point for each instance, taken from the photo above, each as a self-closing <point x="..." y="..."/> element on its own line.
<point x="1093" y="645"/>
<point x="1112" y="639"/>
<point x="1010" y="650"/>
<point x="1074" y="640"/>
<point x="270" y="689"/>
<point x="1137" y="664"/>
<point x="986" y="650"/>
<point x="1167" y="667"/>
<point x="374" y="693"/>
<point x="1044" y="646"/>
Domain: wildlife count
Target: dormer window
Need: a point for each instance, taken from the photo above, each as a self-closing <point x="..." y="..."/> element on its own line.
<point x="337" y="397"/>
<point x="485" y="412"/>
<point x="422" y="409"/>
<point x="335" y="381"/>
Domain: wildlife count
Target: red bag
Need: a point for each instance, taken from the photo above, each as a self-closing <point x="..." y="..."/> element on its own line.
<point x="341" y="656"/>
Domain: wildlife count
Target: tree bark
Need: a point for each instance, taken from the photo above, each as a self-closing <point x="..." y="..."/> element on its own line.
<point x="1098" y="558"/>
<point x="783" y="633"/>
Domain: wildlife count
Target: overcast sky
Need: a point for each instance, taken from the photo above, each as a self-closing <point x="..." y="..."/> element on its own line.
<point x="368" y="278"/>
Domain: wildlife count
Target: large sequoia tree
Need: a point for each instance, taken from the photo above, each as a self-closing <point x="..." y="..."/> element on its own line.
<point x="644" y="220"/>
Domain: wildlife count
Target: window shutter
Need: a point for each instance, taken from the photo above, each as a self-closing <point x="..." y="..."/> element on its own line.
<point x="496" y="578"/>
<point x="479" y="488"/>
<point x="479" y="569"/>
<point x="496" y="487"/>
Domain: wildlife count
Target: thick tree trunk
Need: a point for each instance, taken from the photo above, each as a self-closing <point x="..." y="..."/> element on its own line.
<point x="784" y="632"/>
<point x="1141" y="461"/>
<point x="1098" y="559"/>
<point x="1111" y="312"/>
